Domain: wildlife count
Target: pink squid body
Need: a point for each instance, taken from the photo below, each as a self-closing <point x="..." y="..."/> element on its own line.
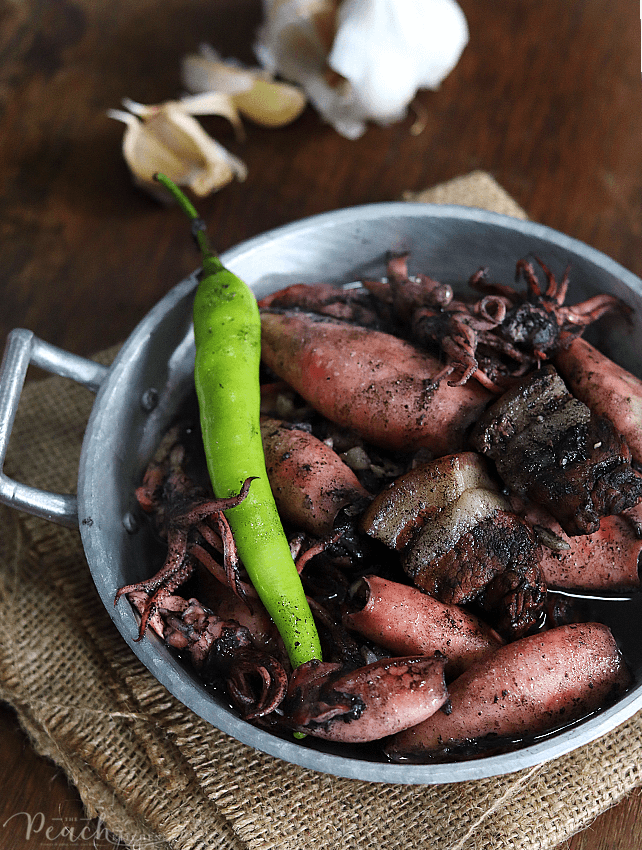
<point x="606" y="560"/>
<point x="527" y="687"/>
<point x="366" y="704"/>
<point x="371" y="382"/>
<point x="310" y="482"/>
<point x="407" y="621"/>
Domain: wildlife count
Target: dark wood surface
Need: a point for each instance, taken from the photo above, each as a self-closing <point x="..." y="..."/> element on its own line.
<point x="546" y="98"/>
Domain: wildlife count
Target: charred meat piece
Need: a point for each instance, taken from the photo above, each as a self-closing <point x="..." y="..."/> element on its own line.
<point x="398" y="512"/>
<point x="549" y="447"/>
<point x="460" y="542"/>
<point x="491" y="558"/>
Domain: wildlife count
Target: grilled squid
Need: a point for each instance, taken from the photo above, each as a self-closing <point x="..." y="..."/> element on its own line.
<point x="367" y="704"/>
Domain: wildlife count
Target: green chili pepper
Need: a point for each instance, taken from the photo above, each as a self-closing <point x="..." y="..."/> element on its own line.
<point x="227" y="330"/>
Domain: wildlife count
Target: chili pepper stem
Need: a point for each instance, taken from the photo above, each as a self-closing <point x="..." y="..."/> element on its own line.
<point x="198" y="225"/>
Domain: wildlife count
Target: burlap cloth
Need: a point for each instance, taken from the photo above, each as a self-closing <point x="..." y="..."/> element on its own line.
<point x="155" y="773"/>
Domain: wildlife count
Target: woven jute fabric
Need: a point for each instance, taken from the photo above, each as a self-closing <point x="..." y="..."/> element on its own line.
<point x="155" y="773"/>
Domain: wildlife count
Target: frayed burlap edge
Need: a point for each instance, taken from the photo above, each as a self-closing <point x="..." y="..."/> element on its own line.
<point x="156" y="774"/>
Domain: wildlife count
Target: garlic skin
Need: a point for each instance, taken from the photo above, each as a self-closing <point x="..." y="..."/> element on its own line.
<point x="379" y="54"/>
<point x="252" y="91"/>
<point x="168" y="138"/>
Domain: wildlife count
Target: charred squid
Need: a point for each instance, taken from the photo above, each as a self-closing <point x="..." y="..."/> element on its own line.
<point x="366" y="704"/>
<point x="310" y="482"/>
<point x="407" y="621"/>
<point x="494" y="339"/>
<point x="605" y="387"/>
<point x="605" y="561"/>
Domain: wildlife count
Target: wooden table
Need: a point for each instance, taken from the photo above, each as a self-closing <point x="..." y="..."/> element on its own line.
<point x="545" y="98"/>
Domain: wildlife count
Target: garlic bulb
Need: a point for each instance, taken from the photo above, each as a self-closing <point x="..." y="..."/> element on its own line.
<point x="361" y="60"/>
<point x="252" y="90"/>
<point x="168" y="138"/>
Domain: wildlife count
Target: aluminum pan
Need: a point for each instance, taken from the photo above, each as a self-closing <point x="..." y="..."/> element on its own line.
<point x="448" y="242"/>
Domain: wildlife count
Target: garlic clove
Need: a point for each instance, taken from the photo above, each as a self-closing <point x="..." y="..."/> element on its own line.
<point x="271" y="104"/>
<point x="207" y="72"/>
<point x="208" y="103"/>
<point x="252" y="90"/>
<point x="167" y="138"/>
<point x="215" y="103"/>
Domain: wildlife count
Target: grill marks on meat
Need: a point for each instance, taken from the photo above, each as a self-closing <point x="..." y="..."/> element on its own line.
<point x="515" y="599"/>
<point x="549" y="447"/>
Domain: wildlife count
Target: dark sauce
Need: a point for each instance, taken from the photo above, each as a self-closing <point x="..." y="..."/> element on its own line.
<point x="489" y="745"/>
<point x="622" y="614"/>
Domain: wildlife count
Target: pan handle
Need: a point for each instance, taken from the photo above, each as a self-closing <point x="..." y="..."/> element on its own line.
<point x="22" y="349"/>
